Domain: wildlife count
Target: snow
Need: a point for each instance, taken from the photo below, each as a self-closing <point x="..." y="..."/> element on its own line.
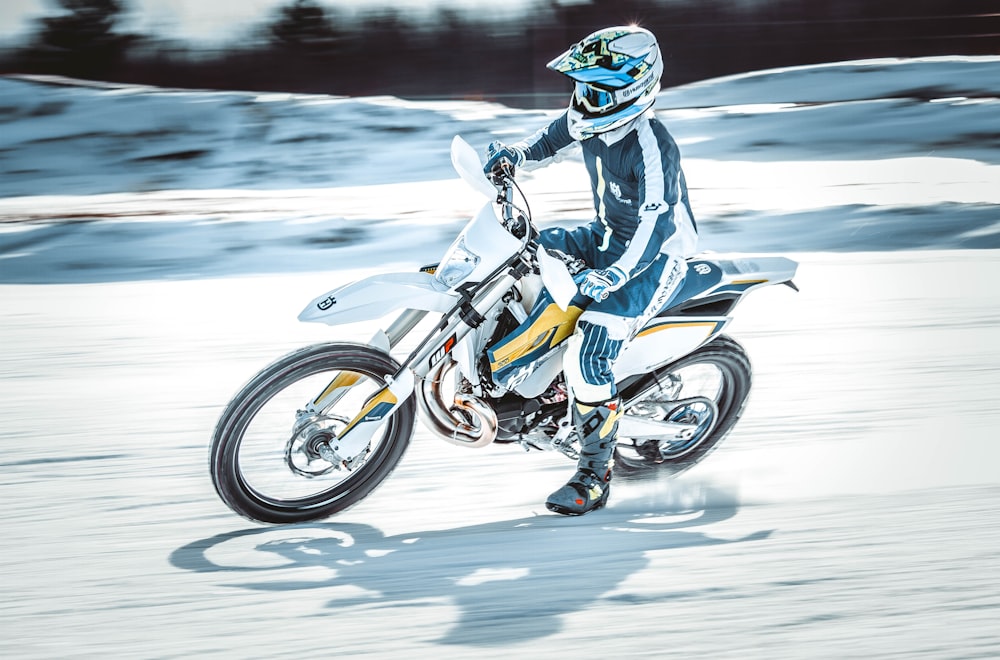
<point x="851" y="513"/>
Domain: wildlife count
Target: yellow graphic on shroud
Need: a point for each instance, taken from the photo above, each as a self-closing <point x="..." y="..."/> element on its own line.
<point x="710" y="327"/>
<point x="343" y="379"/>
<point x="551" y="327"/>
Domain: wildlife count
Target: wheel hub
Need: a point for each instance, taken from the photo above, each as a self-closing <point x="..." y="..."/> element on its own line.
<point x="318" y="443"/>
<point x="307" y="452"/>
<point x="699" y="413"/>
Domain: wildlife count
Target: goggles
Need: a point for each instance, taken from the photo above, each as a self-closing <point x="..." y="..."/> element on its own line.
<point x="597" y="101"/>
<point x="594" y="99"/>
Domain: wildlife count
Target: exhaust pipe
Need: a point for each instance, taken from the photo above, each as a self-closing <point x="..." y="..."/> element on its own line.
<point x="440" y="417"/>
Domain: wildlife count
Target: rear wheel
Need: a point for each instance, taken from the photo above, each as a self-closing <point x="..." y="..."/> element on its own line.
<point x="270" y="461"/>
<point x="706" y="390"/>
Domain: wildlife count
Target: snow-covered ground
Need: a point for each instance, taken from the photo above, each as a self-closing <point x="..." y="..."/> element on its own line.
<point x="156" y="247"/>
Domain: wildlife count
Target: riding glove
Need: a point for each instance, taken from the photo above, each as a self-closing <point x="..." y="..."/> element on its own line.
<point x="499" y="156"/>
<point x="599" y="283"/>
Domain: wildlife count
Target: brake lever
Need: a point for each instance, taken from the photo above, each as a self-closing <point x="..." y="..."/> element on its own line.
<point x="502" y="175"/>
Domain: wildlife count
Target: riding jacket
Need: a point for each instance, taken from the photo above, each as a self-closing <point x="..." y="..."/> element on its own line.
<point x="639" y="189"/>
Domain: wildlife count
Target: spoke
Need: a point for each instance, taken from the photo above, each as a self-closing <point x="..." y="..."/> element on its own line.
<point x="282" y="452"/>
<point x="687" y="396"/>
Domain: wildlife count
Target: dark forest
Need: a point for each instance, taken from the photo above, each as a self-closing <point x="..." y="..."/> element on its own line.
<point x="308" y="47"/>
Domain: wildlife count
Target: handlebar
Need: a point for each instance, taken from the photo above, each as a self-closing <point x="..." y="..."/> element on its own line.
<point x="519" y="224"/>
<point x="516" y="221"/>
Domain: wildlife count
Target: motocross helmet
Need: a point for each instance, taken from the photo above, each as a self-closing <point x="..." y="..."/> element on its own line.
<point x="616" y="75"/>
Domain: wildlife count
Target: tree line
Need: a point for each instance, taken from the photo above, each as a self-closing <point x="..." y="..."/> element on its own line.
<point x="306" y="46"/>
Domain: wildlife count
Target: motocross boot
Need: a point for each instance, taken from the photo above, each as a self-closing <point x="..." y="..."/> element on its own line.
<point x="590" y="486"/>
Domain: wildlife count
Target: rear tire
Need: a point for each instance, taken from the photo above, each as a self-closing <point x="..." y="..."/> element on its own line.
<point x="671" y="393"/>
<point x="273" y="475"/>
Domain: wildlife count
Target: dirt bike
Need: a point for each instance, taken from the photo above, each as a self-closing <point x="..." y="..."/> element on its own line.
<point x="318" y="430"/>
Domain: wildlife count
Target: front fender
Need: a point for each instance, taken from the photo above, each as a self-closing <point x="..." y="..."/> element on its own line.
<point x="374" y="297"/>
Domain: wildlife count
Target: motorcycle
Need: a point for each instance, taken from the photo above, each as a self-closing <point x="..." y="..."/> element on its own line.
<point x="319" y="429"/>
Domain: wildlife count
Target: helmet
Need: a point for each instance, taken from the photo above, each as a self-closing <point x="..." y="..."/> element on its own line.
<point x="616" y="72"/>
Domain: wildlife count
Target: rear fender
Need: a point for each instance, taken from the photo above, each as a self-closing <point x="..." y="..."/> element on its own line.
<point x="379" y="295"/>
<point x="738" y="274"/>
<point x="743" y="273"/>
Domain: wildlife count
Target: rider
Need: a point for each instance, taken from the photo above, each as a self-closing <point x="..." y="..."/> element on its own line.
<point x="635" y="247"/>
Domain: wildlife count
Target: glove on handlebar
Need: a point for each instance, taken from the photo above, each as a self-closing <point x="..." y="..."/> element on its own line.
<point x="600" y="283"/>
<point x="500" y="156"/>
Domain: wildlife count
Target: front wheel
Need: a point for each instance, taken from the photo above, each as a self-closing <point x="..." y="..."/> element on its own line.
<point x="267" y="457"/>
<point x="705" y="390"/>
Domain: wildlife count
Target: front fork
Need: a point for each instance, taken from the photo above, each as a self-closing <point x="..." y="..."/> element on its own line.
<point x="384" y="341"/>
<point x="356" y="436"/>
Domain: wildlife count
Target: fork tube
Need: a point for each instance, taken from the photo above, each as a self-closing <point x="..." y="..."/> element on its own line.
<point x="403" y="324"/>
<point x="429" y="352"/>
<point x="345" y="380"/>
<point x="457" y="323"/>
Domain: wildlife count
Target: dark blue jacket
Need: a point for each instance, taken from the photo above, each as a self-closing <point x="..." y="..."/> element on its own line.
<point x="640" y="194"/>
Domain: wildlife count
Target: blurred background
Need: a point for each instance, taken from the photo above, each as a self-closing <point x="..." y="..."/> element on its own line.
<point x="477" y="50"/>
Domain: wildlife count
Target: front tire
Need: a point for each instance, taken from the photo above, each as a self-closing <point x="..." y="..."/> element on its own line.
<point x="707" y="388"/>
<point x="264" y="460"/>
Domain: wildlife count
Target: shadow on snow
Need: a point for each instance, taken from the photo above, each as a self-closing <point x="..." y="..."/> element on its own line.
<point x="512" y="580"/>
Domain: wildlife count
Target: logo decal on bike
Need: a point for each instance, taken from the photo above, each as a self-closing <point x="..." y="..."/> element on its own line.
<point x="444" y="350"/>
<point x="327" y="303"/>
